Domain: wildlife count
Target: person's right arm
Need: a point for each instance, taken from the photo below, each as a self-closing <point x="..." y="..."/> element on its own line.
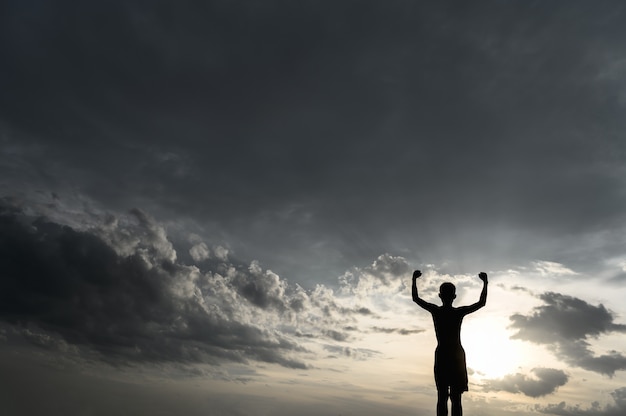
<point x="421" y="302"/>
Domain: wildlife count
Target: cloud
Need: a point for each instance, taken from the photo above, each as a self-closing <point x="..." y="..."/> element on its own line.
<point x="400" y="331"/>
<point x="264" y="289"/>
<point x="358" y="354"/>
<point x="385" y="275"/>
<point x="296" y="192"/>
<point x="312" y="152"/>
<point x="116" y="287"/>
<point x="565" y="324"/>
<point x="336" y="335"/>
<point x="199" y="252"/>
<point x="564" y="317"/>
<point x="578" y="353"/>
<point x="550" y="268"/>
<point x="543" y="382"/>
<point x="618" y="408"/>
<point x="221" y="252"/>
<point x="139" y="307"/>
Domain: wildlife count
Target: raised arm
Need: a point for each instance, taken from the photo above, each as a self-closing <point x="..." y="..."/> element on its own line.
<point x="421" y="302"/>
<point x="483" y="296"/>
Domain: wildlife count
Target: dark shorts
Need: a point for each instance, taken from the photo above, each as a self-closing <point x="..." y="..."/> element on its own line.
<point x="450" y="369"/>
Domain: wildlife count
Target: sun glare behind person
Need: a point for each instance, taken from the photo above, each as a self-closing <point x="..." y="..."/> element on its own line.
<point x="494" y="356"/>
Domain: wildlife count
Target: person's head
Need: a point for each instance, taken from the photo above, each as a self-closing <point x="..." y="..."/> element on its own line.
<point x="447" y="293"/>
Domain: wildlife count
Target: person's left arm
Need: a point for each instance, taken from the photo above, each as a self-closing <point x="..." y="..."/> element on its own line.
<point x="483" y="296"/>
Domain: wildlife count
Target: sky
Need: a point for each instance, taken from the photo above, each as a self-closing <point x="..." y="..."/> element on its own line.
<point x="215" y="207"/>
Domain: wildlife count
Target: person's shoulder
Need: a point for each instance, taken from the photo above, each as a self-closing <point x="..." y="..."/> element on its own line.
<point x="434" y="308"/>
<point x="441" y="309"/>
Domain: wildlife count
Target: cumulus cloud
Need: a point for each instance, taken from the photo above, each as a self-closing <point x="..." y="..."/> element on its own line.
<point x="543" y="381"/>
<point x="565" y="324"/>
<point x="385" y="275"/>
<point x="264" y="289"/>
<point x="138" y="307"/>
<point x="199" y="252"/>
<point x="617" y="408"/>
<point x="221" y="252"/>
<point x="117" y="288"/>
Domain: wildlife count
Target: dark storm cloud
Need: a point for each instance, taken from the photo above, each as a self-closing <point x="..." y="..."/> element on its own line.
<point x="616" y="409"/>
<point x="564" y="317"/>
<point x="565" y="324"/>
<point x="543" y="382"/>
<point x="265" y="290"/>
<point x="140" y="307"/>
<point x="356" y="128"/>
<point x="113" y="285"/>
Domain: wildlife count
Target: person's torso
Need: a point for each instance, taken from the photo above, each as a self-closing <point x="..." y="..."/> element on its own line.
<point x="447" y="322"/>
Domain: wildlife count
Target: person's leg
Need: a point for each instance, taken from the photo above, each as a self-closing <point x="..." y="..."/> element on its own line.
<point x="455" y="401"/>
<point x="442" y="402"/>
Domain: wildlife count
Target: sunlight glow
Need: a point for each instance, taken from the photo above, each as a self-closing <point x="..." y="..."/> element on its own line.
<point x="490" y="352"/>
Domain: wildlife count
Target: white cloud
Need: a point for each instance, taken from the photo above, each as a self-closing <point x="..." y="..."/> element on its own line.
<point x="551" y="268"/>
<point x="199" y="252"/>
<point x="221" y="252"/>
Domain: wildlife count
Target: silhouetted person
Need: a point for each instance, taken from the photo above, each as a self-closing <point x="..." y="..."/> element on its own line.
<point x="450" y="367"/>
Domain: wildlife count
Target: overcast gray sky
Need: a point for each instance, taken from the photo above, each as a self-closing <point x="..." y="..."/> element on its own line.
<point x="284" y="146"/>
